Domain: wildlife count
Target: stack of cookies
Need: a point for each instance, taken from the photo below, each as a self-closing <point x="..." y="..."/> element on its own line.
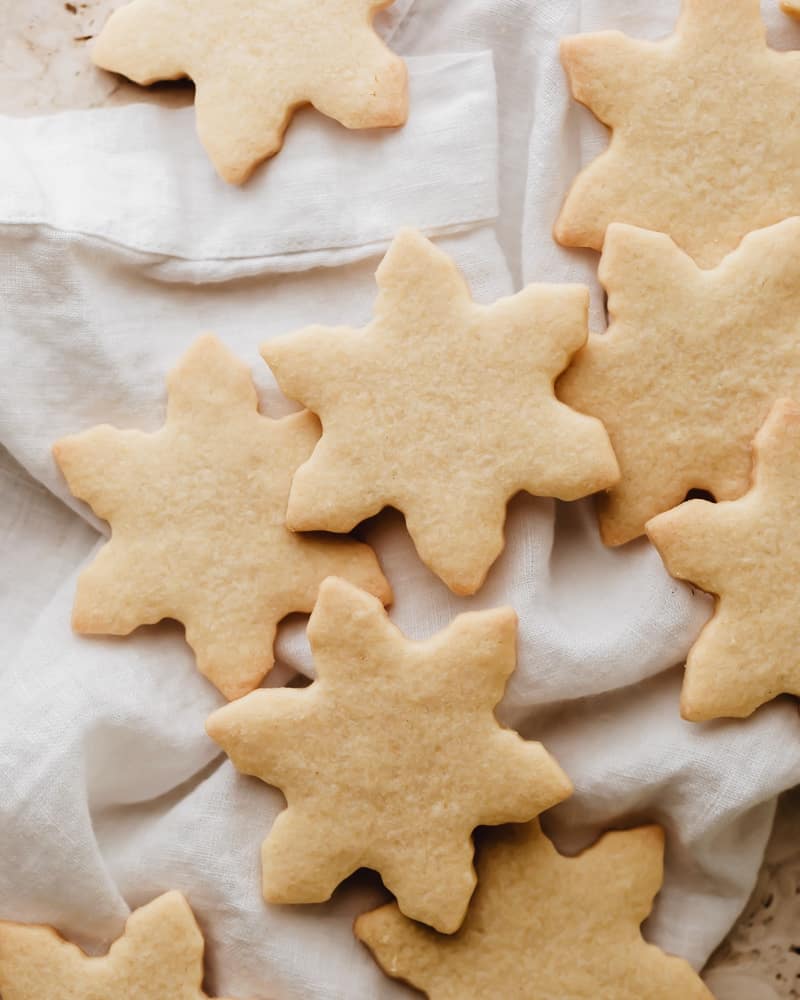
<point x="228" y="520"/>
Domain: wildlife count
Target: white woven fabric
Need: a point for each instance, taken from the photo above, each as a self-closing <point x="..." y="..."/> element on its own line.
<point x="117" y="247"/>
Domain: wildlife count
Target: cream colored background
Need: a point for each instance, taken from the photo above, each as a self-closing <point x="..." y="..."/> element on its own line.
<point x="44" y="67"/>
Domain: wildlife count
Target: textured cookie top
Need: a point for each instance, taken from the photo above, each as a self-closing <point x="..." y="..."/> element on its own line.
<point x="705" y="140"/>
<point x="747" y="553"/>
<point x="255" y="61"/>
<point x="197" y="517"/>
<point x="543" y="926"/>
<point x="689" y="368"/>
<point x="391" y="758"/>
<point x="159" y="957"/>
<point x="443" y="409"/>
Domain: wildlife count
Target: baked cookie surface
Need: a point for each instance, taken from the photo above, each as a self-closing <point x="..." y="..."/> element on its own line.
<point x="159" y="957"/>
<point x="443" y="409"/>
<point x="705" y="139"/>
<point x="689" y="368"/>
<point x="254" y="62"/>
<point x="197" y="514"/>
<point x="391" y="758"/>
<point x="542" y="926"/>
<point x="747" y="553"/>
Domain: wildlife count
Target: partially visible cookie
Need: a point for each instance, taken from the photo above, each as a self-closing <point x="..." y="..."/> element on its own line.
<point x="443" y="409"/>
<point x="391" y="758"/>
<point x="746" y="553"/>
<point x="704" y="144"/>
<point x="197" y="514"/>
<point x="791" y="7"/>
<point x="254" y="62"/>
<point x="159" y="957"/>
<point x="543" y="927"/>
<point x="689" y="368"/>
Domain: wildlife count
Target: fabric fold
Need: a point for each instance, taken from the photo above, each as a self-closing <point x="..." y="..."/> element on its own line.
<point x="331" y="197"/>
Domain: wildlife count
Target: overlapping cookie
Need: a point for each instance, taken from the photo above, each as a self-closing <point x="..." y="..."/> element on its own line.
<point x="443" y="409"/>
<point x="543" y="926"/>
<point x="689" y="368"/>
<point x="704" y="143"/>
<point x="253" y="64"/>
<point x="747" y="553"/>
<point x="197" y="515"/>
<point x="391" y="758"/>
<point x="159" y="957"/>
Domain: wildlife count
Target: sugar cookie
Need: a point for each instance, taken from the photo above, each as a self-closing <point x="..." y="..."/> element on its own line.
<point x="704" y="143"/>
<point x="391" y="758"/>
<point x="197" y="517"/>
<point x="543" y="927"/>
<point x="442" y="408"/>
<point x="159" y="957"/>
<point x="689" y="368"/>
<point x="254" y="62"/>
<point x="747" y="553"/>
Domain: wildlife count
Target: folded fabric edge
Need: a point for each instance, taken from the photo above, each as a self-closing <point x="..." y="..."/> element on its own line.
<point x="136" y="178"/>
<point x="210" y="270"/>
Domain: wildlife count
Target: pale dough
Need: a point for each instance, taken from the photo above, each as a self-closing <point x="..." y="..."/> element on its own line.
<point x="197" y="515"/>
<point x="689" y="368"/>
<point x="391" y="758"/>
<point x="705" y="142"/>
<point x="543" y="927"/>
<point x="747" y="553"/>
<point x="443" y="409"/>
<point x="159" y="957"/>
<point x="255" y="61"/>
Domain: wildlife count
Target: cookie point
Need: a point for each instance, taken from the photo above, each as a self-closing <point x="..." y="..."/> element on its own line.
<point x="406" y="239"/>
<point x="567" y="46"/>
<point x="217" y="725"/>
<point x="451" y="924"/>
<point x="332" y="584"/>
<point x="465" y="585"/>
<point x="505" y="619"/>
<point x="508" y="616"/>
<point x="564" y="787"/>
<point x="651" y="835"/>
<point x="236" y="175"/>
<point x="689" y="711"/>
<point x="654" y="526"/>
<point x="612" y="535"/>
<point x="236" y="690"/>
<point x="657" y="833"/>
<point x="206" y="349"/>
<point x="561" y="231"/>
<point x="383" y="591"/>
<point x="209" y="337"/>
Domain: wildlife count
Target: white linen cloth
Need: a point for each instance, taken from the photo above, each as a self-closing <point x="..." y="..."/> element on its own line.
<point x="118" y="245"/>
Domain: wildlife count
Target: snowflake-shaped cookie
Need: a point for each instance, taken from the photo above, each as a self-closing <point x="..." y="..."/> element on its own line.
<point x="747" y="553"/>
<point x="197" y="515"/>
<point x="159" y="957"/>
<point x="391" y="758"/>
<point x="689" y="368"/>
<point x="543" y="927"/>
<point x="705" y="136"/>
<point x="443" y="409"/>
<point x="254" y="62"/>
